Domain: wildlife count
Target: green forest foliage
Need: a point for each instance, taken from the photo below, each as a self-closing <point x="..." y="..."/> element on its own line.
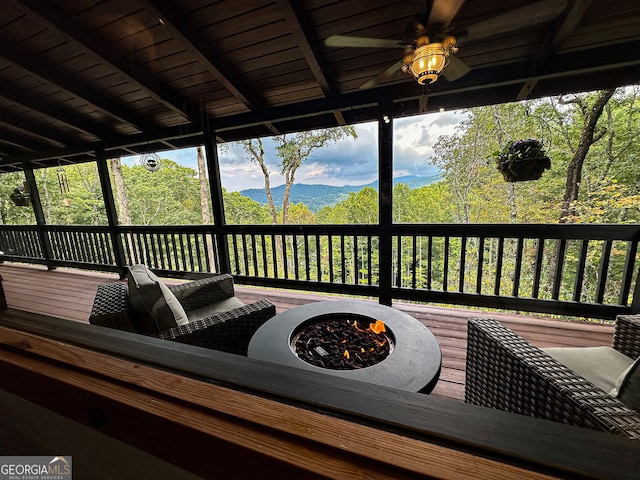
<point x="472" y="190"/>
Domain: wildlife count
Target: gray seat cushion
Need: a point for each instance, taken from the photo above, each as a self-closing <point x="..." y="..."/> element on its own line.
<point x="627" y="386"/>
<point x="217" y="307"/>
<point x="599" y="365"/>
<point x="157" y="306"/>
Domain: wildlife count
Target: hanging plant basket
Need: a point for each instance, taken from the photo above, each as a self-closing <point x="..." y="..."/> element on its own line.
<point x="523" y="160"/>
<point x="20" y="198"/>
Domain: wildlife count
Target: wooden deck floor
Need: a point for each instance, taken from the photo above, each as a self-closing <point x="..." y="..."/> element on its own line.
<point x="69" y="294"/>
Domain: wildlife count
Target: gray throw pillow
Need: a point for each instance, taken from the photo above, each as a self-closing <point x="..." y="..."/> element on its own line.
<point x="627" y="387"/>
<point x="157" y="306"/>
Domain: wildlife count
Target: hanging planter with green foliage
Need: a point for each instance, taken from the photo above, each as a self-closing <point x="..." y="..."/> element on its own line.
<point x="523" y="160"/>
<point x="20" y="197"/>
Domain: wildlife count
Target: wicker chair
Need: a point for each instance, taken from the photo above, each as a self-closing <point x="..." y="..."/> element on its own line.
<point x="228" y="331"/>
<point x="505" y="372"/>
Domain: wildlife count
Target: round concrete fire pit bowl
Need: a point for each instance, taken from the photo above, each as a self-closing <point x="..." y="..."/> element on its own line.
<point x="413" y="363"/>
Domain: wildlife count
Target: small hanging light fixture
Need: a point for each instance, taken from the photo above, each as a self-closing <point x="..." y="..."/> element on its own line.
<point x="426" y="60"/>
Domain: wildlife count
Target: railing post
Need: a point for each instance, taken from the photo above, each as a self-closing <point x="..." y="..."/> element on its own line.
<point x="385" y="193"/>
<point x="110" y="208"/>
<point x="39" y="214"/>
<point x="217" y="205"/>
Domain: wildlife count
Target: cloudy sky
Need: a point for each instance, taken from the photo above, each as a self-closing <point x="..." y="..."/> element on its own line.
<point x="347" y="162"/>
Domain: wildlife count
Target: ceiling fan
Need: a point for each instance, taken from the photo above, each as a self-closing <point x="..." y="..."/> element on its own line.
<point x="431" y="43"/>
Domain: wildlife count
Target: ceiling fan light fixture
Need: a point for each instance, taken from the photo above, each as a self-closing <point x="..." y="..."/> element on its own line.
<point x="429" y="60"/>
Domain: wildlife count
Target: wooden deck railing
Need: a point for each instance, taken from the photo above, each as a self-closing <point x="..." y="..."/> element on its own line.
<point x="579" y="270"/>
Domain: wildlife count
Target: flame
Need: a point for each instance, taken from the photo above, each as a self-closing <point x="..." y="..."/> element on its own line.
<point x="377" y="327"/>
<point x="355" y="325"/>
<point x="346" y="354"/>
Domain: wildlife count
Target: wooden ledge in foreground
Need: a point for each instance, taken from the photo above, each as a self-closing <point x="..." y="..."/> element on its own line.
<point x="209" y="412"/>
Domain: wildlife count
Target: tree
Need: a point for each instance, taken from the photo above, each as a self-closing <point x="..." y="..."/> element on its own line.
<point x="122" y="201"/>
<point x="204" y="187"/>
<point x="293" y="151"/>
<point x="591" y="110"/>
<point x="241" y="210"/>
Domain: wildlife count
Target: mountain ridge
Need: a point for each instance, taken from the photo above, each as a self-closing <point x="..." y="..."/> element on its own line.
<point x="318" y="196"/>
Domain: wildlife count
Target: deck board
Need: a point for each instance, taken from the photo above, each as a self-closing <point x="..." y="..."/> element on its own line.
<point x="69" y="294"/>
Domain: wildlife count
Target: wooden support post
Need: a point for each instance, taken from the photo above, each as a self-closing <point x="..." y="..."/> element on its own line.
<point x="110" y="208"/>
<point x="385" y="193"/>
<point x="47" y="252"/>
<point x="217" y="205"/>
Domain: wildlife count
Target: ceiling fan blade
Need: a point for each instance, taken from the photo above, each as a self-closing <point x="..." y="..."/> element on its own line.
<point x="381" y="77"/>
<point x="362" y="42"/>
<point x="443" y="11"/>
<point x="529" y="15"/>
<point x="456" y="69"/>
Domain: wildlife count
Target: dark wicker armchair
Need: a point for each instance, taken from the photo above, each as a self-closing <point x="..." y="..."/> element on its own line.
<point x="228" y="331"/>
<point x="505" y="372"/>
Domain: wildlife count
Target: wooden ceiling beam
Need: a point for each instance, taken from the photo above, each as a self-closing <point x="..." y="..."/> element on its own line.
<point x="300" y="27"/>
<point x="76" y="33"/>
<point x="167" y="13"/>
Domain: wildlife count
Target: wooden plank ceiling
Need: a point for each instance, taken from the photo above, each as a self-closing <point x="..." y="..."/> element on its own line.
<point x="137" y="75"/>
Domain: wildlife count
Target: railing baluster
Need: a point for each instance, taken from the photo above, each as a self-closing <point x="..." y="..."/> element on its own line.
<point x="579" y="279"/>
<point x="603" y="270"/>
<point x="369" y="261"/>
<point x="429" y="261"/>
<point x="245" y="254"/>
<point x="414" y="259"/>
<point x="318" y="258"/>
<point x="480" y="268"/>
<point x="140" y="253"/>
<point x="330" y="253"/>
<point x="305" y="239"/>
<point x="343" y="260"/>
<point x="499" y="266"/>
<point x="254" y="254"/>
<point x="463" y="260"/>
<point x="557" y="276"/>
<point x="199" y="251"/>
<point x="356" y="264"/>
<point x="265" y="263"/>
<point x="445" y="271"/>
<point x="285" y="260"/>
<point x="518" y="268"/>
<point x="274" y="255"/>
<point x="296" y="258"/>
<point x="538" y="268"/>
<point x="236" y="259"/>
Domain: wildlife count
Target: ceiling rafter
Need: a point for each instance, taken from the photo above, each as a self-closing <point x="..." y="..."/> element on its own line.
<point x="51" y="76"/>
<point x="202" y="52"/>
<point x="17" y="96"/>
<point x="76" y="33"/>
<point x="49" y="137"/>
<point x="566" y="24"/>
<point x="166" y="11"/>
<point x="300" y="28"/>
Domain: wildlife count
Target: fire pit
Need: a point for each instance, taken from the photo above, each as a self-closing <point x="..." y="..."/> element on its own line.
<point x="346" y="339"/>
<point x="338" y="342"/>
